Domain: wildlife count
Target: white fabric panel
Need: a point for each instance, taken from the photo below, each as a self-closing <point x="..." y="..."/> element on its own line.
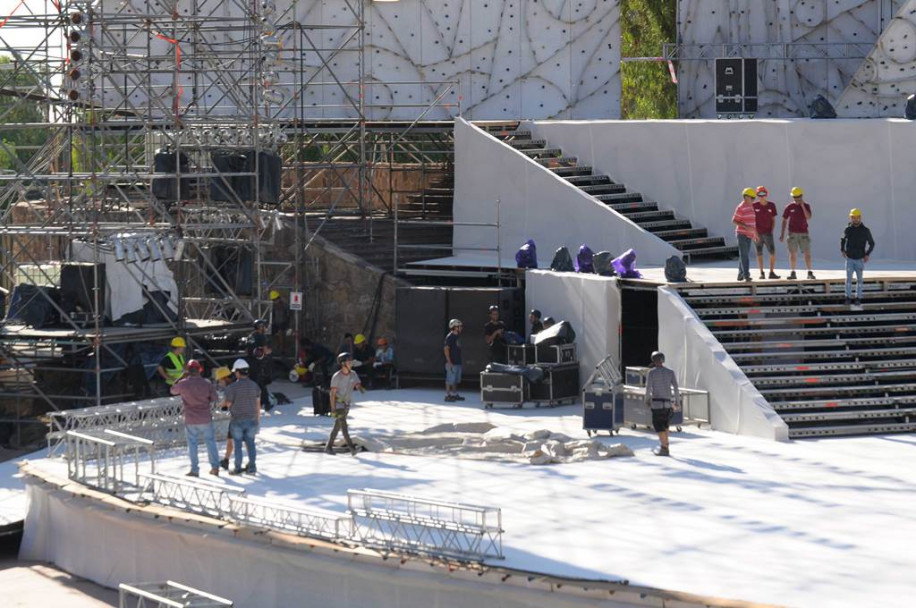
<point x="699" y="361"/>
<point x="125" y="281"/>
<point x="534" y="204"/>
<point x="589" y="302"/>
<point x="698" y="169"/>
<point x="110" y="547"/>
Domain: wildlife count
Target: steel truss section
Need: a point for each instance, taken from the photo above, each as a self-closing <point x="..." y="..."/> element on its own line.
<point x="767" y="51"/>
<point x="397" y="522"/>
<point x="189" y="494"/>
<point x="103" y="459"/>
<point x="167" y="595"/>
<point x="304" y="522"/>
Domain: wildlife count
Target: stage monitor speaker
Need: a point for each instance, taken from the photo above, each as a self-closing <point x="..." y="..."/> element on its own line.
<point x="736" y="86"/>
<point x="234" y="268"/>
<point x="422" y="323"/>
<point x="78" y="284"/>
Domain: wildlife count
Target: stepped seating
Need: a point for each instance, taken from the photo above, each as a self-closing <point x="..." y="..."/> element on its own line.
<point x="825" y="367"/>
<point x="693" y="243"/>
<point x="434" y="202"/>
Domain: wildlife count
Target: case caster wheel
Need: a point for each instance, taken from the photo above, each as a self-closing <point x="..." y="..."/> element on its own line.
<point x="488" y="406"/>
<point x="678" y="429"/>
<point x="632" y="427"/>
<point x="588" y="433"/>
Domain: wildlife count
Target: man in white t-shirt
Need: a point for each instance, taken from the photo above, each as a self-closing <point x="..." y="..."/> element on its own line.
<point x="342" y="385"/>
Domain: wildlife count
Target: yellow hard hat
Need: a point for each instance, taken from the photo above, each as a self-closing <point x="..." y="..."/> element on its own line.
<point x="221" y="372"/>
<point x="749" y="192"/>
<point x="274" y="294"/>
<point x="178" y="341"/>
<point x="855" y="213"/>
<point x="796" y="191"/>
<point x="301" y="369"/>
<point x="359" y="339"/>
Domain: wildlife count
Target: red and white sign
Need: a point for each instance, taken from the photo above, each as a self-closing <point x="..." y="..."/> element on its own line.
<point x="295" y="300"/>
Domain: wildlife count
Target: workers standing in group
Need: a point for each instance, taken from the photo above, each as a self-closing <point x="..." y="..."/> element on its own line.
<point x="765" y="214"/>
<point x="796" y="216"/>
<point x="197" y="397"/>
<point x="856" y="246"/>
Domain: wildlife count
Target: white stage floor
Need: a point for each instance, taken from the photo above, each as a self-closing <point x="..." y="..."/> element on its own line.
<point x="807" y="523"/>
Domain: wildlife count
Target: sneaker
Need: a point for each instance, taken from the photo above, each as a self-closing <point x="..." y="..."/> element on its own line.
<point x="215" y="472"/>
<point x="762" y="275"/>
<point x="251" y="470"/>
<point x="748" y="279"/>
<point x="235" y="472"/>
<point x="458" y="398"/>
<point x="353" y="450"/>
<point x="740" y="276"/>
<point x="330" y="451"/>
<point x="450" y="398"/>
<point x="661" y="451"/>
<point x="773" y="275"/>
<point x="191" y="474"/>
<point x="224" y="463"/>
<point x="792" y="276"/>
<point x="811" y="275"/>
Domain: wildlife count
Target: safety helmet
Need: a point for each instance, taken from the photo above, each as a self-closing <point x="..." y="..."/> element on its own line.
<point x="260" y="323"/>
<point x="855" y="213"/>
<point x="535" y="313"/>
<point x="749" y="192"/>
<point x="762" y="191"/>
<point x="359" y="339"/>
<point x="342" y="357"/>
<point x="381" y="342"/>
<point x="195" y="364"/>
<point x="796" y="192"/>
<point x="222" y="372"/>
<point x="549" y="321"/>
<point x="274" y="294"/>
<point x="658" y="355"/>
<point x="301" y="369"/>
<point x="494" y="307"/>
<point x="178" y="341"/>
<point x="454" y="323"/>
<point x="240" y="364"/>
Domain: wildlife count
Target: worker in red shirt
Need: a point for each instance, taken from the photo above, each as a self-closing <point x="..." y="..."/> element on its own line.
<point x="764" y="212"/>
<point x="746" y="231"/>
<point x="796" y="216"/>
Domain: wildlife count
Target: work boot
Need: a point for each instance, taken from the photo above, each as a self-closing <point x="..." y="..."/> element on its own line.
<point x="847" y="302"/>
<point x="740" y="276"/>
<point x="855" y="302"/>
<point x="329" y="451"/>
<point x="748" y="279"/>
<point x="224" y="463"/>
<point x="235" y="472"/>
<point x="191" y="474"/>
<point x="762" y="275"/>
<point x="450" y="398"/>
<point x="811" y="275"/>
<point x="773" y="275"/>
<point x="458" y="397"/>
<point x="792" y="276"/>
<point x="661" y="451"/>
<point x="215" y="472"/>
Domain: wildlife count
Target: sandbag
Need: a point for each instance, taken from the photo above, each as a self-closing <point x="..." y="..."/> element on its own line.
<point x="527" y="255"/>
<point x="675" y="270"/>
<point x="559" y="333"/>
<point x="625" y="265"/>
<point x="602" y="263"/>
<point x="584" y="260"/>
<point x="562" y="262"/>
<point x="532" y="374"/>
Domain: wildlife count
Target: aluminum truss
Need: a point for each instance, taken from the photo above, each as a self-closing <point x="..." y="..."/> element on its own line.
<point x="398" y="522"/>
<point x="104" y="459"/>
<point x="167" y="595"/>
<point x="304" y="522"/>
<point x="188" y="493"/>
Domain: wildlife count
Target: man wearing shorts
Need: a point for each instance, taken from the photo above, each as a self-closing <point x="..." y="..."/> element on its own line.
<point x="452" y="351"/>
<point x="745" y="231"/>
<point x="662" y="398"/>
<point x="796" y="216"/>
<point x="765" y="211"/>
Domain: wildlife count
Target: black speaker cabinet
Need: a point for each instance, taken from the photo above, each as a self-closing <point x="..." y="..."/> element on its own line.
<point x="78" y="285"/>
<point x="736" y="86"/>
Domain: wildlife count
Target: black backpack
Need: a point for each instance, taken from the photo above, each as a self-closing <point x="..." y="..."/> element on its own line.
<point x="675" y="270"/>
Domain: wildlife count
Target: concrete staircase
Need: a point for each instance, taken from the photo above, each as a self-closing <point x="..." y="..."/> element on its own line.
<point x="695" y="243"/>
<point x="825" y="367"/>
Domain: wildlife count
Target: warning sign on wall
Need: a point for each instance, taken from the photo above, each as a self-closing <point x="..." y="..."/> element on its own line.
<point x="295" y="300"/>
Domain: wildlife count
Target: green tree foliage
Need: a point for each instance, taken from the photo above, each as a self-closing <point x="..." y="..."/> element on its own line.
<point x="20" y="117"/>
<point x="647" y="88"/>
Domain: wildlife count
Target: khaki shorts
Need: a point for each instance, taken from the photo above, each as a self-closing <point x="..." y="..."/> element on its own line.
<point x="799" y="241"/>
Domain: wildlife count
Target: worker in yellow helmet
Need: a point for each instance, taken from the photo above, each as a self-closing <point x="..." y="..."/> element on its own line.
<point x="279" y="322"/>
<point x="171" y="367"/>
<point x="796" y="216"/>
<point x="856" y="246"/>
<point x="364" y="358"/>
<point x="745" y="222"/>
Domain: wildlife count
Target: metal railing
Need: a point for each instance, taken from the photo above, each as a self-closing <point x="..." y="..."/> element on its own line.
<point x="397" y="522"/>
<point x="98" y="459"/>
<point x="304" y="522"/>
<point x="188" y="493"/>
<point x="167" y="595"/>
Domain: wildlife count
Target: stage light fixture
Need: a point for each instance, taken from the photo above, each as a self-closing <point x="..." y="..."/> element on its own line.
<point x="154" y="251"/>
<point x="141" y="250"/>
<point x="178" y="246"/>
<point x="168" y="252"/>
<point x="120" y="253"/>
<point x="273" y="96"/>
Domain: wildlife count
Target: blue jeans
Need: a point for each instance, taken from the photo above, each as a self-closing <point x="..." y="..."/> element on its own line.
<point x="744" y="256"/>
<point x="854" y="266"/>
<point x="196" y="432"/>
<point x="244" y="431"/>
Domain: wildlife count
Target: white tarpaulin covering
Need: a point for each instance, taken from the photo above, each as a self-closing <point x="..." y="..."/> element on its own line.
<point x="534" y="203"/>
<point x="699" y="167"/>
<point x="590" y="303"/>
<point x="126" y="280"/>
<point x="699" y="361"/>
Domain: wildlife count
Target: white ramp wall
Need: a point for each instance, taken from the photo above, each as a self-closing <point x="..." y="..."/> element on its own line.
<point x="699" y="361"/>
<point x="698" y="168"/>
<point x="589" y="302"/>
<point x="534" y="204"/>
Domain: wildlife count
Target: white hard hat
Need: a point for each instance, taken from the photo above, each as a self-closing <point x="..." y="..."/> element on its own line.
<point x="239" y="364"/>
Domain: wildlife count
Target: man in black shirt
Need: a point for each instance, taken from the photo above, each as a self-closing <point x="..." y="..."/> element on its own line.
<point x="856" y="245"/>
<point x="535" y="318"/>
<point x="260" y="361"/>
<point x="494" y="333"/>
